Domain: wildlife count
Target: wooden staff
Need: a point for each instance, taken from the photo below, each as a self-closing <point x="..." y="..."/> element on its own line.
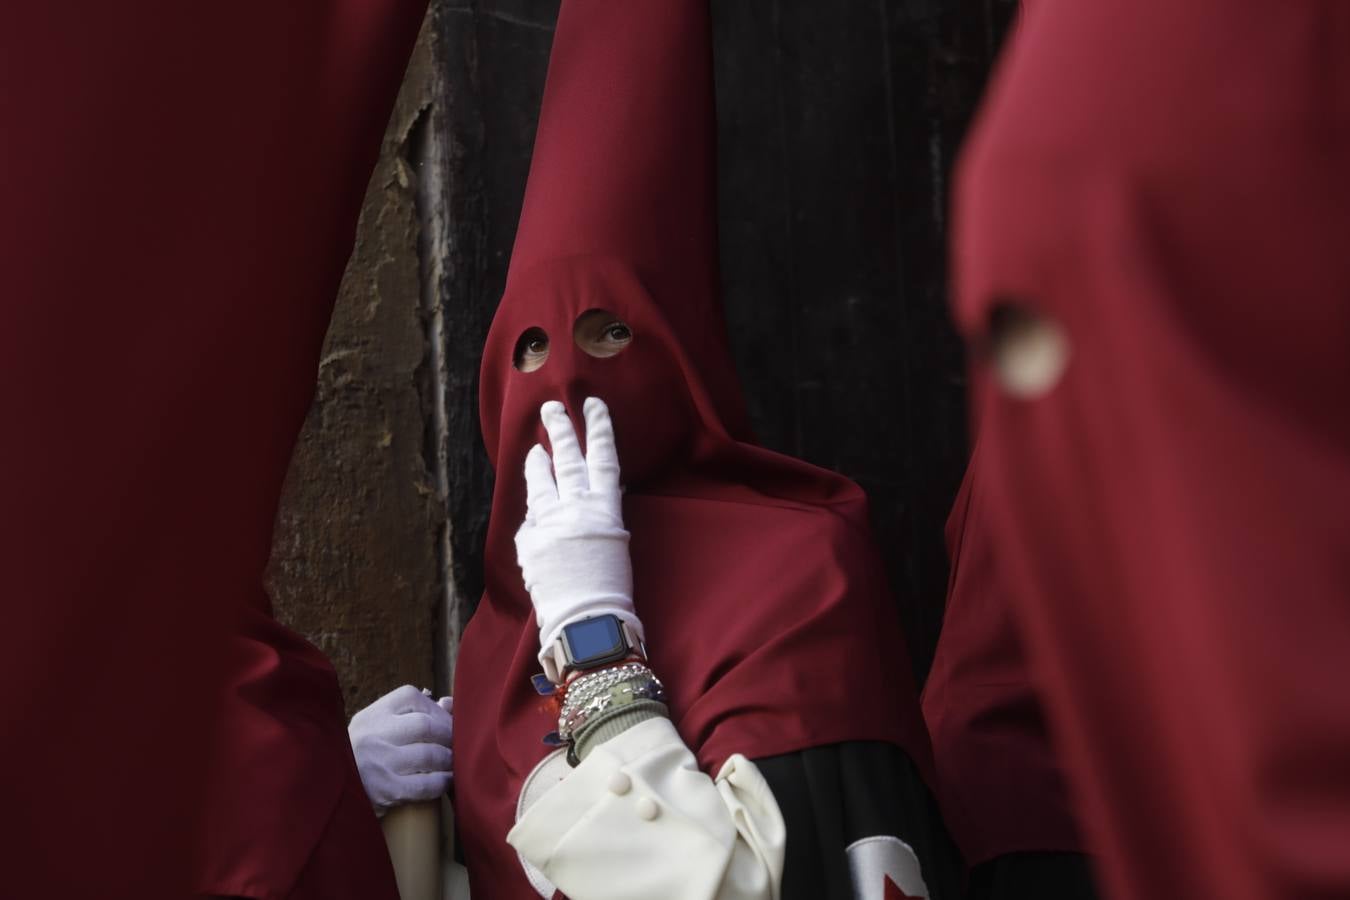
<point x="413" y="833"/>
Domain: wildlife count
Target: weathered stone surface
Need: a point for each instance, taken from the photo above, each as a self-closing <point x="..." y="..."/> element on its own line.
<point x="355" y="565"/>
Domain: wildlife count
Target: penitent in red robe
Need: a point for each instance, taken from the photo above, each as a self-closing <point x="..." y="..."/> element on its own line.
<point x="755" y="575"/>
<point x="179" y="188"/>
<point x="1170" y="183"/>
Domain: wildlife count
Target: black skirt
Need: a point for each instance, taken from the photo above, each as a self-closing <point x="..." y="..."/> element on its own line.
<point x="853" y="810"/>
<point x="1055" y="876"/>
<point x="834" y="797"/>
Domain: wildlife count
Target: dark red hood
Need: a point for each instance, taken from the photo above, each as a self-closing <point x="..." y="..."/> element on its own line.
<point x="756" y="576"/>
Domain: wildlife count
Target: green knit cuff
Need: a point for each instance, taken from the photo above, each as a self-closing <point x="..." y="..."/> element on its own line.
<point x="614" y="722"/>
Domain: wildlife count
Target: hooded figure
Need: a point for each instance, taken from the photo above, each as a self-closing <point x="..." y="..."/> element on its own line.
<point x="754" y="577"/>
<point x="180" y="186"/>
<point x="1151" y="243"/>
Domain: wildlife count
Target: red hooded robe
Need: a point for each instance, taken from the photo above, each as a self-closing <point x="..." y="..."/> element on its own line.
<point x="180" y="184"/>
<point x="1170" y="183"/>
<point x="756" y="577"/>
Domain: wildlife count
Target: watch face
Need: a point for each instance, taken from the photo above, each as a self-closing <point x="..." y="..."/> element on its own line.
<point x="594" y="639"/>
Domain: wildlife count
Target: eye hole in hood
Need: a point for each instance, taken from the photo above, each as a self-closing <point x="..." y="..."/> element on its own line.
<point x="531" y="350"/>
<point x="601" y="334"/>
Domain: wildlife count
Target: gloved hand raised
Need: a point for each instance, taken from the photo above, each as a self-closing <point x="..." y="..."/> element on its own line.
<point x="572" y="548"/>
<point x="402" y="747"/>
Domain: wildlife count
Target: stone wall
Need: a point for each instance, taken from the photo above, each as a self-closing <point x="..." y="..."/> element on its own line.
<point x="356" y="565"/>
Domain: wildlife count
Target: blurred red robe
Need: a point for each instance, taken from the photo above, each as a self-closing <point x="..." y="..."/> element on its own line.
<point x="180" y="184"/>
<point x="1170" y="183"/>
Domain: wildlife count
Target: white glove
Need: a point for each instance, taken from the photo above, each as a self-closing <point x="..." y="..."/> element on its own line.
<point x="573" y="549"/>
<point x="402" y="747"/>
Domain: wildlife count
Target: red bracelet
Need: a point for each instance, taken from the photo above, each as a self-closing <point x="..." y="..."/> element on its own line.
<point x="552" y="703"/>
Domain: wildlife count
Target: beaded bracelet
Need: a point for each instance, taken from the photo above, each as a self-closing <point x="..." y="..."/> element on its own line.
<point x="595" y="691"/>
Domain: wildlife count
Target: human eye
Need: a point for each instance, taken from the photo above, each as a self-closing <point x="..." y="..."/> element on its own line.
<point x="531" y="349"/>
<point x="601" y="333"/>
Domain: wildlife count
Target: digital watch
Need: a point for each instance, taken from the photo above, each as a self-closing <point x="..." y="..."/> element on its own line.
<point x="589" y="644"/>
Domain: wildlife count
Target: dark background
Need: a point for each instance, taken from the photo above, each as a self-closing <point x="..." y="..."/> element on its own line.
<point x="838" y="126"/>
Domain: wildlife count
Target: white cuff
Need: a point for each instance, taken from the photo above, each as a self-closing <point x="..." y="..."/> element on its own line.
<point x="639" y="819"/>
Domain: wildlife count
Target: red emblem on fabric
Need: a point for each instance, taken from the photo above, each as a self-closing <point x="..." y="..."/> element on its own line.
<point x="893" y="892"/>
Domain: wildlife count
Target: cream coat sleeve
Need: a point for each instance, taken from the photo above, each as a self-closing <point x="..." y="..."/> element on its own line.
<point x="638" y="818"/>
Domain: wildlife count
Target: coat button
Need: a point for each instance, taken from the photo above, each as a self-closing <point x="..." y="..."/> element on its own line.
<point x="620" y="783"/>
<point x="646" y="808"/>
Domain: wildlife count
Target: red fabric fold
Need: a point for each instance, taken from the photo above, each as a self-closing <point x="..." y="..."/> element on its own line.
<point x="1000" y="783"/>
